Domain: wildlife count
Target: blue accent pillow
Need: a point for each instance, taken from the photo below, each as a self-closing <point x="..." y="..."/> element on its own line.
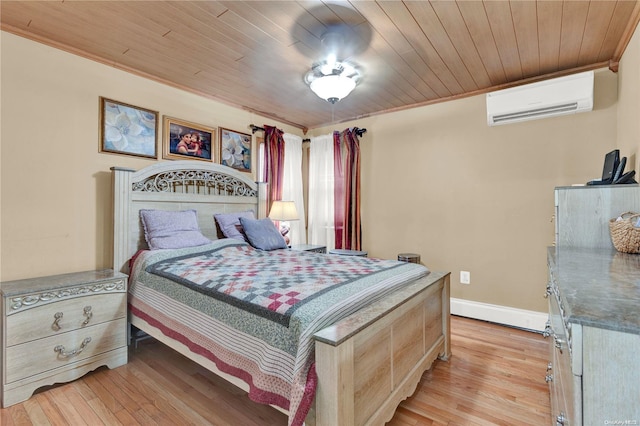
<point x="229" y="224"/>
<point x="172" y="229"/>
<point x="263" y="234"/>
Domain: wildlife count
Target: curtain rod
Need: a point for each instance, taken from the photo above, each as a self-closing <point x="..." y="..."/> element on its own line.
<point x="358" y="131"/>
<point x="255" y="128"/>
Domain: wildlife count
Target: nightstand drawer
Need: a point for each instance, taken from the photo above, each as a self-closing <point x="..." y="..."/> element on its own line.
<point x="31" y="358"/>
<point x="65" y="315"/>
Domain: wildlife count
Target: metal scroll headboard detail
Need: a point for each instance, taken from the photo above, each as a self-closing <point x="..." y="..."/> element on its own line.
<point x="195" y="181"/>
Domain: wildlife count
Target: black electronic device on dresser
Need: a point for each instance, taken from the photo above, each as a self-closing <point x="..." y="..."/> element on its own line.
<point x="613" y="171"/>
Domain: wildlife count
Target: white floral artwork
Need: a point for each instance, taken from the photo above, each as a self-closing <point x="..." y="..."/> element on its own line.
<point x="235" y="150"/>
<point x="128" y="130"/>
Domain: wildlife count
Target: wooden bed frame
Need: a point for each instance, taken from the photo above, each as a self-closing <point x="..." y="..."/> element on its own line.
<point x="366" y="364"/>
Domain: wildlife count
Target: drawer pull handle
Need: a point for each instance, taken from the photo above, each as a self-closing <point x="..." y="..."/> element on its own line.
<point x="88" y="314"/>
<point x="64" y="354"/>
<point x="547" y="330"/>
<point x="56" y="321"/>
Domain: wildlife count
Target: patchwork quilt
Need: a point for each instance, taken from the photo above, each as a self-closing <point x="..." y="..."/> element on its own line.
<point x="254" y="312"/>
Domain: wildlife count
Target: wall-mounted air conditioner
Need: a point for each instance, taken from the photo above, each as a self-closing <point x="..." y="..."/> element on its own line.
<point x="549" y="98"/>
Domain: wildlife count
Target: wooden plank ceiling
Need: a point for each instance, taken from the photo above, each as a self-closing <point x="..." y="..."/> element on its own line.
<point x="254" y="54"/>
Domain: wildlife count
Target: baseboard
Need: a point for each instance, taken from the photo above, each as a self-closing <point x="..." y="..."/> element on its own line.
<point x="514" y="317"/>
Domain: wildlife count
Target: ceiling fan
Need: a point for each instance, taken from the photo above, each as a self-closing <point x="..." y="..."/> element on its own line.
<point x="334" y="72"/>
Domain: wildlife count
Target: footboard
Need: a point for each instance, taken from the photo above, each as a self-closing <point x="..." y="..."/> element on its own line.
<point x="368" y="363"/>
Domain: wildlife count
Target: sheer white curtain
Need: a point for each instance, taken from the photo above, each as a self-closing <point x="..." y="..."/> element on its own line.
<point x="292" y="185"/>
<point x="321" y="214"/>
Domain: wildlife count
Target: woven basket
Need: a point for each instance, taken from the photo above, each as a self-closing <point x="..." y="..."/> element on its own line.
<point x="625" y="236"/>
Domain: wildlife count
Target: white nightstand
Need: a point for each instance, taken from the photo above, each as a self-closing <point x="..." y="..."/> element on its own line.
<point x="309" y="247"/>
<point x="344" y="252"/>
<point x="58" y="328"/>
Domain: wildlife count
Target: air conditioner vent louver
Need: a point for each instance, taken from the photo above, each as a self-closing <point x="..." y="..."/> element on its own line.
<point x="536" y="112"/>
<point x="564" y="95"/>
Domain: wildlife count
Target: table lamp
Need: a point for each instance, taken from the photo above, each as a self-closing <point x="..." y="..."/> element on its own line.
<point x="284" y="211"/>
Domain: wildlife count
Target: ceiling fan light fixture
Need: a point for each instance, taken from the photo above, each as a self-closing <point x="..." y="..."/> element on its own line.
<point x="333" y="87"/>
<point x="332" y="82"/>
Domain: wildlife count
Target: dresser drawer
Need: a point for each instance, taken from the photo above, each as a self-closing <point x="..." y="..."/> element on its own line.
<point x="566" y="389"/>
<point x="571" y="387"/>
<point x="28" y="359"/>
<point x="63" y="316"/>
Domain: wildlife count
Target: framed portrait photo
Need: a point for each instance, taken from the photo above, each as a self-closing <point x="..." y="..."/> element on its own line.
<point x="235" y="150"/>
<point x="127" y="129"/>
<point x="183" y="140"/>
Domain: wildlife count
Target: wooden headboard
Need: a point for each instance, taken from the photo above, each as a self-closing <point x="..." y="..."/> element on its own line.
<point x="208" y="188"/>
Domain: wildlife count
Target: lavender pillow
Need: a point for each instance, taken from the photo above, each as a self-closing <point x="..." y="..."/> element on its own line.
<point x="171" y="229"/>
<point x="229" y="224"/>
<point x="262" y="234"/>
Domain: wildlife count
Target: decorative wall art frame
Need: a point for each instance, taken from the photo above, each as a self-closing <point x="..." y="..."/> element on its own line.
<point x="235" y="150"/>
<point x="184" y="140"/>
<point x="127" y="129"/>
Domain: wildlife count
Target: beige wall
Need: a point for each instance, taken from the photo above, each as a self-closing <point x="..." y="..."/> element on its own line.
<point x="55" y="185"/>
<point x="439" y="182"/>
<point x="629" y="105"/>
<point x="436" y="180"/>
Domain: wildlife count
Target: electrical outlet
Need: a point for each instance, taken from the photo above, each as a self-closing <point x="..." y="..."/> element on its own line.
<point x="465" y="277"/>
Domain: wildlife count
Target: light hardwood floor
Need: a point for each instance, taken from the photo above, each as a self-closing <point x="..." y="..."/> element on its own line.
<point x="495" y="377"/>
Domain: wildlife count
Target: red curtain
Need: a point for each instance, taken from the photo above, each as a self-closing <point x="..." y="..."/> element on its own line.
<point x="347" y="189"/>
<point x="274" y="163"/>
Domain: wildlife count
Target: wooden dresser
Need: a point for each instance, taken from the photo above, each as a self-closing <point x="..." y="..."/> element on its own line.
<point x="582" y="213"/>
<point x="56" y="329"/>
<point x="594" y="332"/>
<point x="594" y="311"/>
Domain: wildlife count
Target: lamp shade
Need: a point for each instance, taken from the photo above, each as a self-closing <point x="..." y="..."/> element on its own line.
<point x="332" y="80"/>
<point x="332" y="88"/>
<point x="283" y="210"/>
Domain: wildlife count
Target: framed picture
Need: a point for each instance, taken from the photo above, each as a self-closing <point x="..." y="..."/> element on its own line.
<point x="235" y="150"/>
<point x="128" y="129"/>
<point x="185" y="140"/>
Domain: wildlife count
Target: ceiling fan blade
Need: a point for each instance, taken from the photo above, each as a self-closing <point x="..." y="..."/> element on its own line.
<point x="331" y="28"/>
